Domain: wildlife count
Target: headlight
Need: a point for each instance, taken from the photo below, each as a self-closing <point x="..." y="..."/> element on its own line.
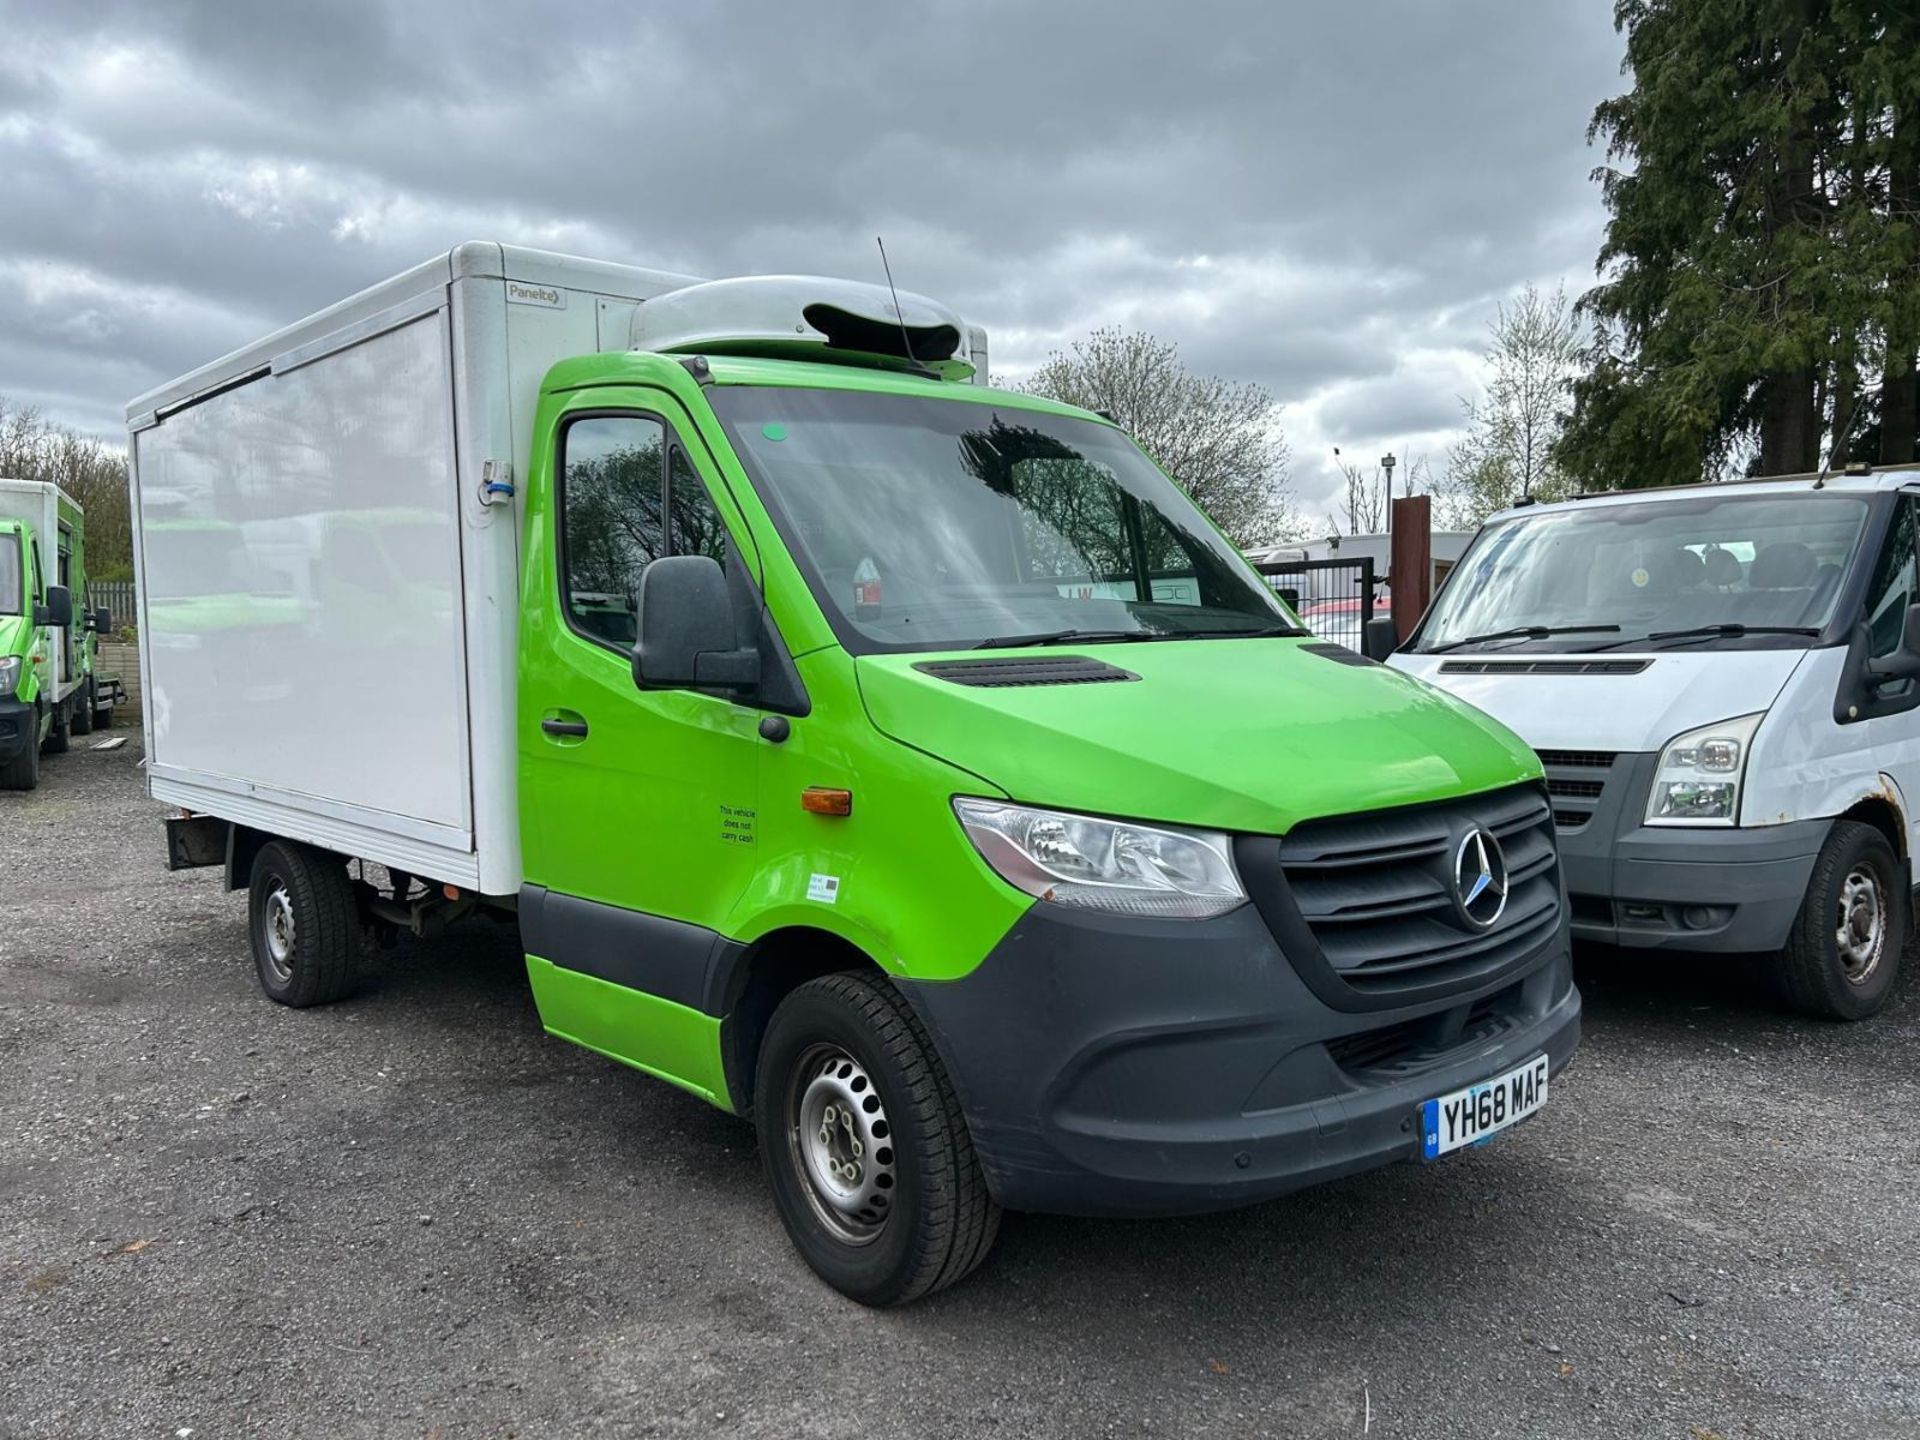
<point x="9" y="674"/>
<point x="1698" y="779"/>
<point x="1110" y="865"/>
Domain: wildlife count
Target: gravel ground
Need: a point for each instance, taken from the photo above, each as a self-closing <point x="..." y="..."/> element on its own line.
<point x="413" y="1214"/>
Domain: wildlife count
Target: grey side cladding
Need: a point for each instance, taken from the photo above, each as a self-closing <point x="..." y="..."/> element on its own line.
<point x="686" y="964"/>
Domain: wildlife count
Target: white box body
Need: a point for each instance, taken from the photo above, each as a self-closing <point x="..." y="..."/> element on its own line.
<point x="327" y="608"/>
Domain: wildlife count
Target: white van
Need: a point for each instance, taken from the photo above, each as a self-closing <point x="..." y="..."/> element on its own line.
<point x="1724" y="684"/>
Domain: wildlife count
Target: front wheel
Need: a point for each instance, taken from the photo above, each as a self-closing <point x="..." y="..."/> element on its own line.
<point x="83" y="711"/>
<point x="1843" y="955"/>
<point x="23" y="771"/>
<point x="304" y="925"/>
<point x="869" y="1157"/>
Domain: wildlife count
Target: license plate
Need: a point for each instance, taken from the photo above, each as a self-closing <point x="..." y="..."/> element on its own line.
<point x="1479" y="1112"/>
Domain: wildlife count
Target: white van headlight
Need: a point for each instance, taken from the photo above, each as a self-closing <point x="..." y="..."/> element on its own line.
<point x="9" y="674"/>
<point x="1697" y="781"/>
<point x="1112" y="865"/>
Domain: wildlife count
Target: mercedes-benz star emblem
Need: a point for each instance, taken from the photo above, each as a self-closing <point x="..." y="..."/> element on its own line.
<point x="1480" y="878"/>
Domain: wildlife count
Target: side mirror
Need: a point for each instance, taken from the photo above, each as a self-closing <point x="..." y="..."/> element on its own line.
<point x="100" y="621"/>
<point x="1380" y="638"/>
<point x="1904" y="663"/>
<point x="59" y="607"/>
<point x="685" y="621"/>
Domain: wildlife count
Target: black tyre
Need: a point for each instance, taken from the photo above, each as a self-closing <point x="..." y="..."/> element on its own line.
<point x="102" y="714"/>
<point x="57" y="732"/>
<point x="83" y="711"/>
<point x="303" y="924"/>
<point x="1843" y="956"/>
<point x="23" y="771"/>
<point x="871" y="1164"/>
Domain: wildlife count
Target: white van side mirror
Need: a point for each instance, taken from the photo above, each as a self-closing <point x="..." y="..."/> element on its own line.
<point x="1380" y="638"/>
<point x="1904" y="663"/>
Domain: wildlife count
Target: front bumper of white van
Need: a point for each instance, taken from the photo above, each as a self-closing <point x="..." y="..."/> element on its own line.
<point x="1669" y="887"/>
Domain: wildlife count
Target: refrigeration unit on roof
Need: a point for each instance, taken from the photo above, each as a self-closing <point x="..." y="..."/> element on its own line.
<point x="805" y="317"/>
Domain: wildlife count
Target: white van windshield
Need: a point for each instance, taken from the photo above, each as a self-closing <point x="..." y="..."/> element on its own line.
<point x="10" y="586"/>
<point x="1699" y="569"/>
<point x="932" y="523"/>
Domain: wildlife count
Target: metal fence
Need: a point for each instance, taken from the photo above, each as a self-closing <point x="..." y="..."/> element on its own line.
<point x="1334" y="598"/>
<point x="117" y="596"/>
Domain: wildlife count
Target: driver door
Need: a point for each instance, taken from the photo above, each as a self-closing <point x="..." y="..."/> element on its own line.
<point x="638" y="808"/>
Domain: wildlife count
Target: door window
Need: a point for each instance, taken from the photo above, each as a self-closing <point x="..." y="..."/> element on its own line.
<point x="628" y="495"/>
<point x="613" y="519"/>
<point x="1895" y="582"/>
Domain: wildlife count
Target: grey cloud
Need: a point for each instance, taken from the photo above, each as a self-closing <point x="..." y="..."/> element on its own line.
<point x="1398" y="165"/>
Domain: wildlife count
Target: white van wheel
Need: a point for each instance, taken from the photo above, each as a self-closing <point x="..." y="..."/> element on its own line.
<point x="1843" y="955"/>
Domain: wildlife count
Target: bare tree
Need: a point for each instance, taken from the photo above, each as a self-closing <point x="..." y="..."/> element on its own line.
<point x="95" y="474"/>
<point x="1220" y="440"/>
<point x="1367" y="498"/>
<point x="1371" y="493"/>
<point x="1533" y="355"/>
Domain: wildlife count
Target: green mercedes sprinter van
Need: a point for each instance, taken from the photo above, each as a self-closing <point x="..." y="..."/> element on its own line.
<point x="905" y="764"/>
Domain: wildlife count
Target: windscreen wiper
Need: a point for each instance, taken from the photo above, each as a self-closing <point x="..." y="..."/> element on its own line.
<point x="1058" y="637"/>
<point x="1520" y="632"/>
<point x="1230" y="634"/>
<point x="1730" y="628"/>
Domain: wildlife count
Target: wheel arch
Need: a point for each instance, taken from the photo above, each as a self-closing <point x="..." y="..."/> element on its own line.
<point x="763" y="974"/>
<point x="1882" y="809"/>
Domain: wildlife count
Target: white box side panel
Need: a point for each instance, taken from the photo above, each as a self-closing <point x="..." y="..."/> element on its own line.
<point x="300" y="566"/>
<point x="490" y="575"/>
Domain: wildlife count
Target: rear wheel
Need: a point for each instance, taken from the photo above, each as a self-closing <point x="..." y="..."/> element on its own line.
<point x="83" y="711"/>
<point x="303" y="924"/>
<point x="869" y="1157"/>
<point x="58" y="731"/>
<point x="1843" y="956"/>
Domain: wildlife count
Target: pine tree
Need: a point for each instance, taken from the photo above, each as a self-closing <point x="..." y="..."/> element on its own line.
<point x="1759" y="306"/>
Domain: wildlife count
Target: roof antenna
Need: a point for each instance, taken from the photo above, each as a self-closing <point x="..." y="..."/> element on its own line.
<point x="1840" y="436"/>
<point x="912" y="359"/>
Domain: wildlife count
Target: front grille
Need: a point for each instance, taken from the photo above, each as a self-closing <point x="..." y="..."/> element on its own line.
<point x="1376" y="891"/>
<point x="1576" y="759"/>
<point x="1576" y="779"/>
<point x="1417" y="1044"/>
<point x="1583" y="789"/>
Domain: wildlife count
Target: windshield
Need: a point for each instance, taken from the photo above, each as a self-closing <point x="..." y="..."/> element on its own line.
<point x="1762" y="562"/>
<point x="10" y="586"/>
<point x="925" y="523"/>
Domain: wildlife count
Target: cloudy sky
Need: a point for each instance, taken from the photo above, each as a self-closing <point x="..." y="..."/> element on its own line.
<point x="1326" y="196"/>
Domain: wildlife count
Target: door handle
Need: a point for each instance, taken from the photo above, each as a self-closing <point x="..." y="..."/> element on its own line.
<point x="575" y="728"/>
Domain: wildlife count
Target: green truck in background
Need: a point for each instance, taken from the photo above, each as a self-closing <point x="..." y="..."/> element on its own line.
<point x="50" y="688"/>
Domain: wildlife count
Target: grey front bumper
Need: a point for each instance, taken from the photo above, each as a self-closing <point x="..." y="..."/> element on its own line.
<point x="1659" y="887"/>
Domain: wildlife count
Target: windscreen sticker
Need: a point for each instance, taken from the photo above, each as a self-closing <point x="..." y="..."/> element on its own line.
<point x="737" y="825"/>
<point x="824" y="888"/>
<point x="773" y="430"/>
<point x="1640" y="578"/>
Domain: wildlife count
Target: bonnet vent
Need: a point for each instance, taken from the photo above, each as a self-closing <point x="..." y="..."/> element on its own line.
<point x="1544" y="667"/>
<point x="1040" y="670"/>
